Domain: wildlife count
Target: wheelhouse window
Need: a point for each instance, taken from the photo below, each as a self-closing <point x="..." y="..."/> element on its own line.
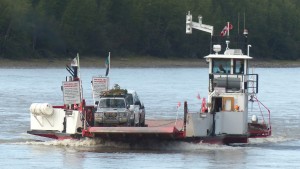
<point x="238" y="66"/>
<point x="221" y="66"/>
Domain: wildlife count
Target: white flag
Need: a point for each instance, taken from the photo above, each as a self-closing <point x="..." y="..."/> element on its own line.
<point x="74" y="62"/>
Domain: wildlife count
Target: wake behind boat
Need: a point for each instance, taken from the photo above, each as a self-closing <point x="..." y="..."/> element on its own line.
<point x="225" y="118"/>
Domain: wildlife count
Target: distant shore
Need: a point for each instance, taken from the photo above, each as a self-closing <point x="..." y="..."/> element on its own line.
<point x="135" y="62"/>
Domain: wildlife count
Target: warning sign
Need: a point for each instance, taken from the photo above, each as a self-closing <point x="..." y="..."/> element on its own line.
<point x="71" y="92"/>
<point x="99" y="84"/>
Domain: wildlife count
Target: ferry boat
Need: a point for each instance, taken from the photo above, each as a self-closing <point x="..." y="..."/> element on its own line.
<point x="226" y="117"/>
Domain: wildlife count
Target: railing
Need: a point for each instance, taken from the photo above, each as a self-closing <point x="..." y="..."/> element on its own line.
<point x="263" y="129"/>
<point x="251" y="83"/>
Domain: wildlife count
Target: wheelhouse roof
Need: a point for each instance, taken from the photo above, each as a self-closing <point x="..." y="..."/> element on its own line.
<point x="222" y="56"/>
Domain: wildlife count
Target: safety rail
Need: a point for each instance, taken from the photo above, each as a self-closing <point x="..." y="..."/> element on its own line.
<point x="260" y="129"/>
<point x="251" y="83"/>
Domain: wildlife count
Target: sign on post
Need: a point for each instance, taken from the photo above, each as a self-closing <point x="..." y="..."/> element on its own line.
<point x="99" y="84"/>
<point x="71" y="92"/>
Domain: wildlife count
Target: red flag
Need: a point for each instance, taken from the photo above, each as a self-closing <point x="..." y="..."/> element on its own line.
<point x="198" y="96"/>
<point x="75" y="106"/>
<point x="230" y="26"/>
<point x="203" y="106"/>
<point x="178" y="105"/>
<point x="80" y="107"/>
<point x="226" y="29"/>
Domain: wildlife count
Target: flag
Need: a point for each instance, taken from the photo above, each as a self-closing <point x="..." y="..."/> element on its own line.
<point x="76" y="67"/>
<point x="78" y="64"/>
<point x="178" y="105"/>
<point x="203" y="105"/>
<point x="74" y="62"/>
<point x="230" y="26"/>
<point x="198" y="96"/>
<point x="75" y="106"/>
<point x="245" y="32"/>
<point x="226" y="29"/>
<point x="80" y="106"/>
<point x="107" y="64"/>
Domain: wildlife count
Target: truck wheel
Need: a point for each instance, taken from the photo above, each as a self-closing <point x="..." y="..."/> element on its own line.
<point x="132" y="123"/>
<point x="140" y="123"/>
<point x="143" y="124"/>
<point x="142" y="119"/>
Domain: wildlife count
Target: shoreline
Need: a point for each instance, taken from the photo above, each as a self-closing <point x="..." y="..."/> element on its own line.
<point x="137" y="62"/>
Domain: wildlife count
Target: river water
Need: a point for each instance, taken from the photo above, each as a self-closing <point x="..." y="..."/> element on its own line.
<point x="160" y="89"/>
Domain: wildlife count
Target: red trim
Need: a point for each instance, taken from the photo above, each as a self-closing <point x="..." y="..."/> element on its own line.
<point x="86" y="133"/>
<point x="54" y="136"/>
<point x="59" y="107"/>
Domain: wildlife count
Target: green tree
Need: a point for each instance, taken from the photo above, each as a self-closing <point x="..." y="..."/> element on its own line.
<point x="14" y="39"/>
<point x="59" y="28"/>
<point x="78" y="25"/>
<point x="46" y="34"/>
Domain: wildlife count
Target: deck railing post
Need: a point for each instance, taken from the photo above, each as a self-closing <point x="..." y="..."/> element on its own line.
<point x="185" y="115"/>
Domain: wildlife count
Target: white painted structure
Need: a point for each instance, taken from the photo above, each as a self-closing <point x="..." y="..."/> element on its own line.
<point x="229" y="86"/>
<point x="43" y="117"/>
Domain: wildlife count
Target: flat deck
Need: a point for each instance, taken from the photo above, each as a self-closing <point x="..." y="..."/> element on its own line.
<point x="162" y="129"/>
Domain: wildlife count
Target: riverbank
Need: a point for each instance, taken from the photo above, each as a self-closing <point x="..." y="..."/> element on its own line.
<point x="138" y="62"/>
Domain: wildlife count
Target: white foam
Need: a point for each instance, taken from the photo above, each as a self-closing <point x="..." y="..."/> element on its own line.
<point x="150" y="145"/>
<point x="184" y="146"/>
<point x="67" y="142"/>
<point x="156" y="145"/>
<point x="272" y="139"/>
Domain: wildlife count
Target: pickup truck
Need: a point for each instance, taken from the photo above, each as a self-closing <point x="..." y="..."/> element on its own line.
<point x="137" y="107"/>
<point x="119" y="107"/>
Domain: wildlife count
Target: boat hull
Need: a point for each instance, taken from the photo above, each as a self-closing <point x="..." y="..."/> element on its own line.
<point x="155" y="130"/>
<point x="54" y="134"/>
<point x="140" y="138"/>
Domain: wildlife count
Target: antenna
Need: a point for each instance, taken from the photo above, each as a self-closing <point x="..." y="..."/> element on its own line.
<point x="238" y="23"/>
<point x="244" y="21"/>
<point x="245" y="32"/>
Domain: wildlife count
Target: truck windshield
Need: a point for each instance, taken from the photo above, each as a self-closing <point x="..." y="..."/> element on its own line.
<point x="112" y="103"/>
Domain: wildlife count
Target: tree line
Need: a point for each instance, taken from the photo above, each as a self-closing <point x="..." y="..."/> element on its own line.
<point x="61" y="28"/>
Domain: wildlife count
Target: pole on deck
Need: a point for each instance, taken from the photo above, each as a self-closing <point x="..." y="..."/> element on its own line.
<point x="185" y="115"/>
